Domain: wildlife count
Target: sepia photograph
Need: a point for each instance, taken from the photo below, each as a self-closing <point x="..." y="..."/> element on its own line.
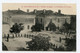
<point x="38" y="27"/>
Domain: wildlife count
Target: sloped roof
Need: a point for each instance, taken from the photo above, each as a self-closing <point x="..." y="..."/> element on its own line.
<point x="39" y="13"/>
<point x="23" y="16"/>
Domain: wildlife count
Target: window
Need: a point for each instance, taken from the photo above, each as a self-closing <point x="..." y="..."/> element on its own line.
<point x="41" y="20"/>
<point x="28" y="26"/>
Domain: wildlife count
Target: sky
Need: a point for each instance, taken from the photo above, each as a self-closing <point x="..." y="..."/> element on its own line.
<point x="66" y="8"/>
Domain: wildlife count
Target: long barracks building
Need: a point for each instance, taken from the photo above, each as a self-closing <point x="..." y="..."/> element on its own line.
<point x="44" y="17"/>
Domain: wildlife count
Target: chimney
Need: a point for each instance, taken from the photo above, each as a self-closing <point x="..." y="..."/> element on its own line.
<point x="18" y="8"/>
<point x="35" y="10"/>
<point x="44" y="10"/>
<point x="59" y="11"/>
<point x="27" y="10"/>
<point x="8" y="9"/>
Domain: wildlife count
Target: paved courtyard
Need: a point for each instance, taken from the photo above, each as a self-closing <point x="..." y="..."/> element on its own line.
<point x="20" y="42"/>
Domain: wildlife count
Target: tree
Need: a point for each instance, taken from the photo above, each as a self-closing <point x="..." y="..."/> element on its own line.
<point x="65" y="28"/>
<point x="33" y="28"/>
<point x="73" y="23"/>
<point x="39" y="43"/>
<point x="52" y="26"/>
<point x="16" y="28"/>
<point x="37" y="27"/>
<point x="4" y="47"/>
<point x="62" y="29"/>
<point x="70" y="44"/>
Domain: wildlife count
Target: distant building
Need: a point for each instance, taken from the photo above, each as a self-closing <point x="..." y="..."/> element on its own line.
<point x="37" y="16"/>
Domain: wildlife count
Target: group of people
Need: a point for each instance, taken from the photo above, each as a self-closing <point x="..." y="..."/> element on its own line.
<point x="25" y="35"/>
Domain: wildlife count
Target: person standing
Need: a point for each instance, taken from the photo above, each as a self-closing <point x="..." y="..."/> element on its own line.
<point x="8" y="38"/>
<point x="60" y="39"/>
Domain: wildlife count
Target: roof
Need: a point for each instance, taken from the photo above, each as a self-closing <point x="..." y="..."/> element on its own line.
<point x="23" y="16"/>
<point x="39" y="13"/>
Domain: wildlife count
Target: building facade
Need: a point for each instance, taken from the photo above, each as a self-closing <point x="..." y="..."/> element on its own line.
<point x="37" y="16"/>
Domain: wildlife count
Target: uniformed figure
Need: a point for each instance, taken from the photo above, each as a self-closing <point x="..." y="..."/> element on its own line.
<point x="8" y="38"/>
<point x="60" y="39"/>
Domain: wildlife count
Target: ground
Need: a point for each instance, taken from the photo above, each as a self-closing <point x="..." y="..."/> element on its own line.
<point x="20" y="42"/>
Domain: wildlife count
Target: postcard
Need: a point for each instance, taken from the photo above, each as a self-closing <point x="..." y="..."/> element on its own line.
<point x="38" y="27"/>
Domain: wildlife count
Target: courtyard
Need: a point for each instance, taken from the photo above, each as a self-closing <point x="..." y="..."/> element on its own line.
<point x="16" y="43"/>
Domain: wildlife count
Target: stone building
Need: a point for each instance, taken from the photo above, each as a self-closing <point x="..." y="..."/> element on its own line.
<point x="37" y="16"/>
<point x="57" y="18"/>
